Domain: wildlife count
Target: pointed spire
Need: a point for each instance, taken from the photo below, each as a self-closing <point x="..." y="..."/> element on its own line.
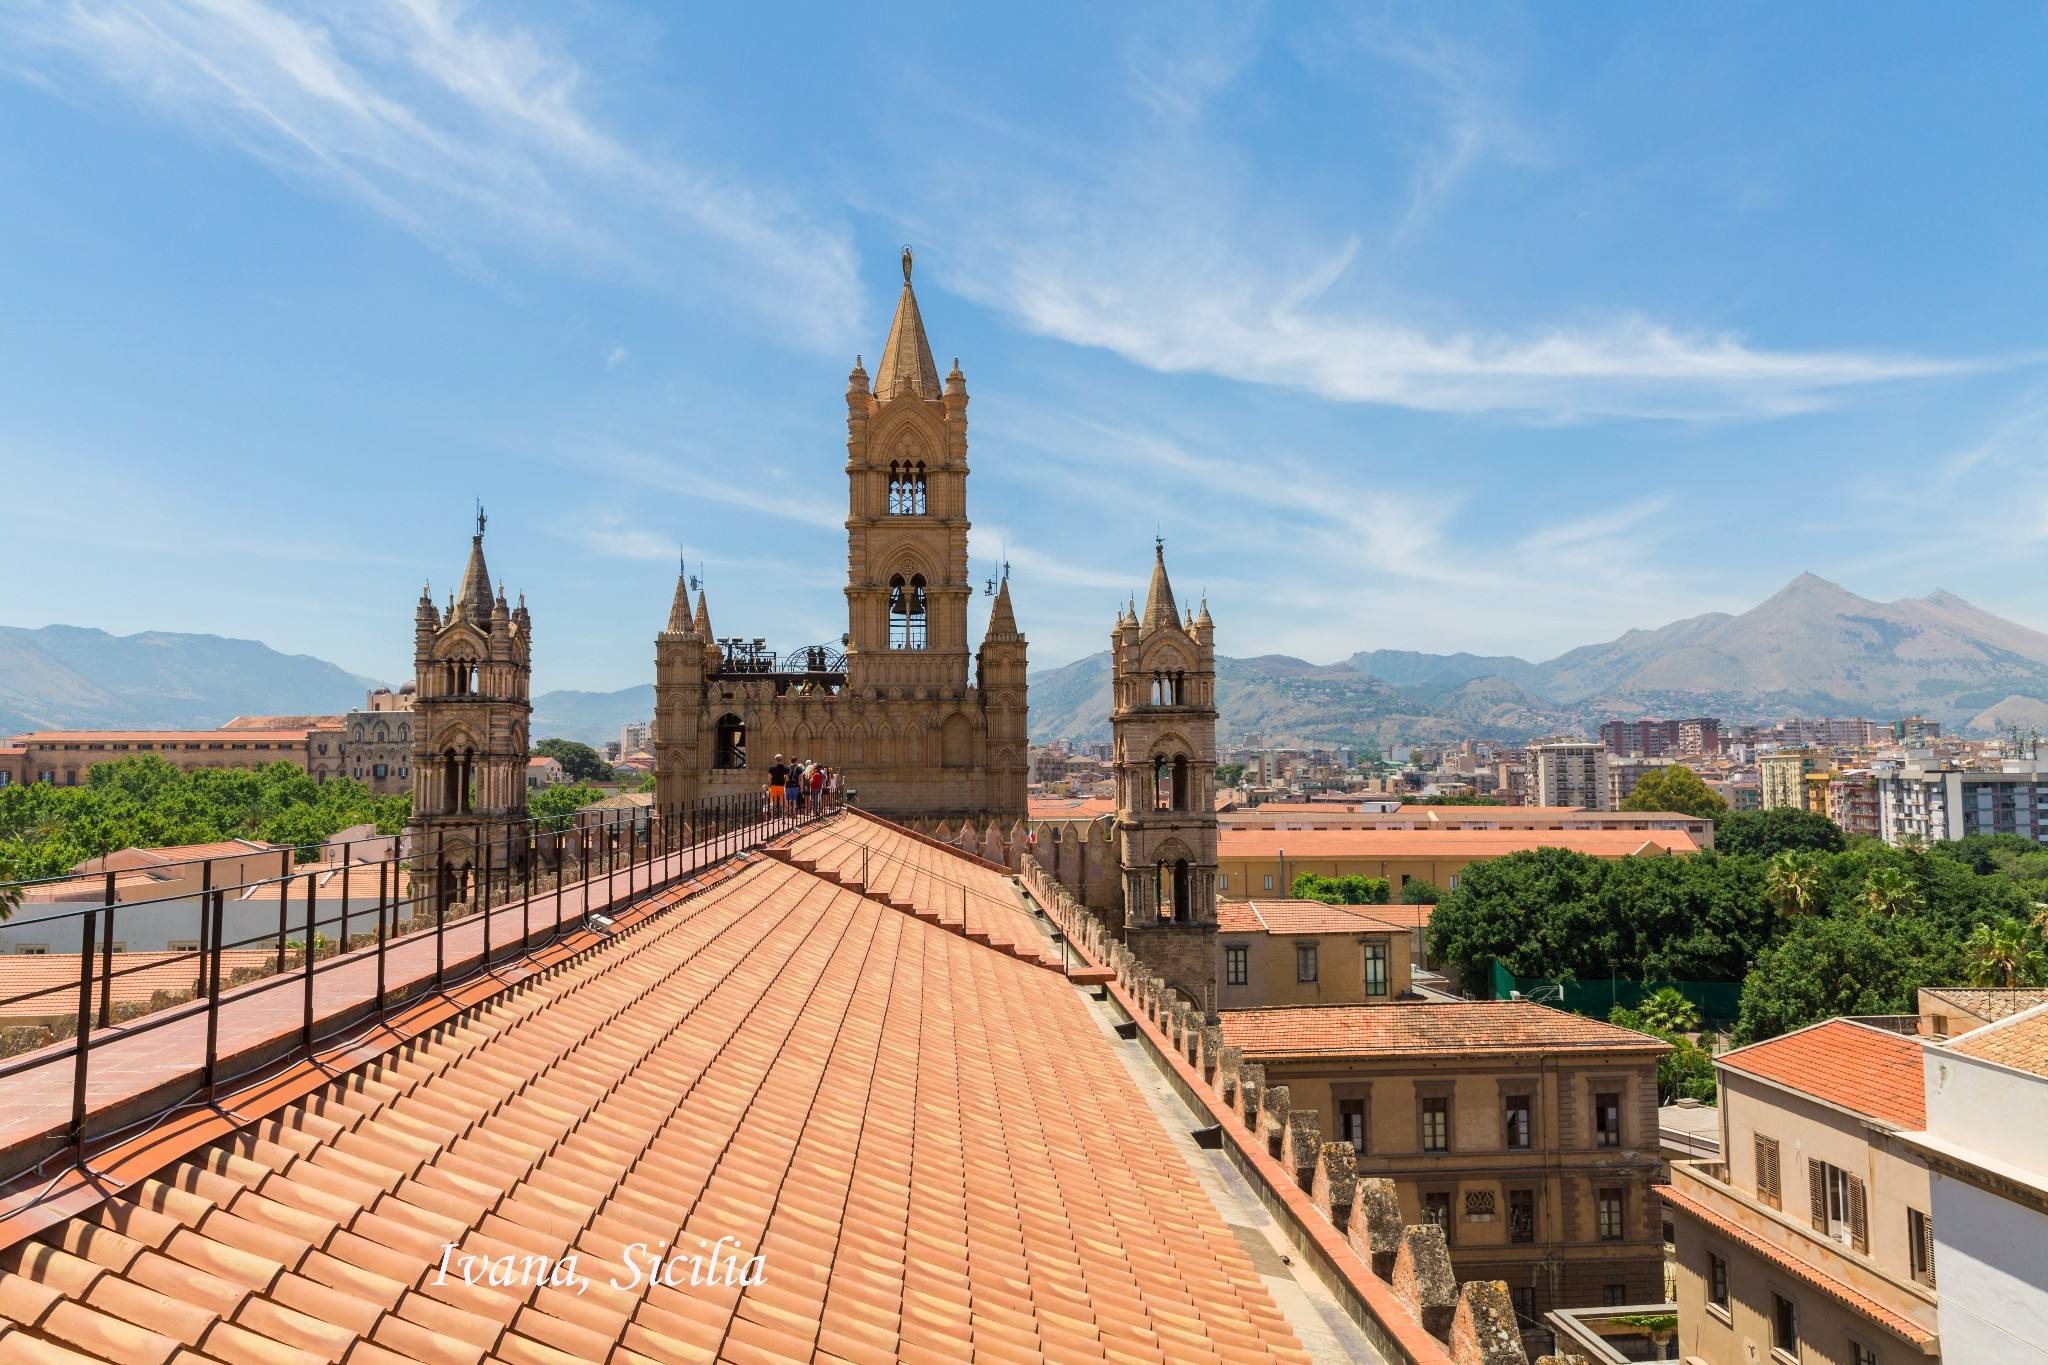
<point x="1202" y="618"/>
<point x="907" y="366"/>
<point x="474" y="596"/>
<point x="1159" y="608"/>
<point x="1002" y="621"/>
<point x="679" y="622"/>
<point x="703" y="619"/>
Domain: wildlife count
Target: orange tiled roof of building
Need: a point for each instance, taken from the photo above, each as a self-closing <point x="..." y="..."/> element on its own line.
<point x="1840" y="1290"/>
<point x="1445" y="843"/>
<point x="49" y="981"/>
<point x="2019" y="1041"/>
<point x="1464" y="1026"/>
<point x="1990" y="1003"/>
<point x="1300" y="917"/>
<point x="1069" y="807"/>
<point x="934" y="1147"/>
<point x="1870" y="1071"/>
<point x="286" y="723"/>
<point x="138" y="858"/>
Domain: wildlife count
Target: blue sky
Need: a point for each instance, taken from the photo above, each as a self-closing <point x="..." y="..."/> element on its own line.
<point x="1501" y="329"/>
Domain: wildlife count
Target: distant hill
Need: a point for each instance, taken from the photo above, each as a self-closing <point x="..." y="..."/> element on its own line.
<point x="592" y="718"/>
<point x="74" y="678"/>
<point x="1812" y="648"/>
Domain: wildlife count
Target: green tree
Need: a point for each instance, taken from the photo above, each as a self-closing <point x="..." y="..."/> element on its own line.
<point x="580" y="762"/>
<point x="1665" y="1011"/>
<point x="2005" y="955"/>
<point x="1421" y="891"/>
<point x="1229" y="774"/>
<point x="1768" y="832"/>
<point x="1461" y="799"/>
<point x="1675" y="788"/>
<point x="1889" y="892"/>
<point x="552" y="808"/>
<point x="1347" y="890"/>
<point x="1839" y="963"/>
<point x="1686" y="1071"/>
<point x="1795" y="882"/>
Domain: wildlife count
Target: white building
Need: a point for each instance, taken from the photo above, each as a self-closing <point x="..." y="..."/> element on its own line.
<point x="1927" y="800"/>
<point x="1564" y="772"/>
<point x="1987" y="1114"/>
<point x="542" y="772"/>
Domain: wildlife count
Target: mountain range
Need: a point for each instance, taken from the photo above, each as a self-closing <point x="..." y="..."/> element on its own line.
<point x="1813" y="648"/>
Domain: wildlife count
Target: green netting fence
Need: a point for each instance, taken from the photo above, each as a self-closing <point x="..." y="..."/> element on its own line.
<point x="1718" y="1001"/>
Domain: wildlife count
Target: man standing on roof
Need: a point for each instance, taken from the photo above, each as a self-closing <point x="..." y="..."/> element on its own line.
<point x="778" y="781"/>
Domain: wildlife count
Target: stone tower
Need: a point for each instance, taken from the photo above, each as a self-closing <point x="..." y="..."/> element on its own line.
<point x="473" y="668"/>
<point x="893" y="704"/>
<point x="1163" y="718"/>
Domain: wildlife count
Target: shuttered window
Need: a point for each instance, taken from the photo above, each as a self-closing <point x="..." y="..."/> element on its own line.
<point x="1859" y="1216"/>
<point x="1768" y="1186"/>
<point x="1920" y="1233"/>
<point x="1817" y="1194"/>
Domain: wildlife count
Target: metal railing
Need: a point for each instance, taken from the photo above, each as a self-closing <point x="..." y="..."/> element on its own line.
<point x="452" y="873"/>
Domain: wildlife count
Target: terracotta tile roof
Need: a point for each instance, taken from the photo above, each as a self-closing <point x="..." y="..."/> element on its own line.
<point x="1989" y="1003"/>
<point x="1445" y="843"/>
<point x="1069" y="807"/>
<point x="286" y="723"/>
<point x="1894" y="1322"/>
<point x="1870" y="1071"/>
<point x="1300" y="917"/>
<point x="46" y="738"/>
<point x="173" y="853"/>
<point x="2020" y="1042"/>
<point x="1465" y="1026"/>
<point x="933" y="1147"/>
<point x="137" y="976"/>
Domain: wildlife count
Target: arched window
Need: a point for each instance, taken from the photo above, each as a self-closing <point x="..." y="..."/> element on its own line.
<point x="1183" y="893"/>
<point x="917" y="486"/>
<point x="1183" y="795"/>
<point x="906" y="612"/>
<point x="907" y="489"/>
<point x="1162" y="784"/>
<point x="731" y="750"/>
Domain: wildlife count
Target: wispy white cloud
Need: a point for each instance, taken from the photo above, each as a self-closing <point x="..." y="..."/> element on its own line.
<point x="615" y="357"/>
<point x="466" y="131"/>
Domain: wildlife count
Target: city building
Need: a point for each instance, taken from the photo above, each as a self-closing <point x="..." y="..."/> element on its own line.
<point x="1264" y="862"/>
<point x="1915" y="731"/>
<point x="1781" y="777"/>
<point x="1290" y="952"/>
<point x="1699" y="736"/>
<point x="472" y="687"/>
<point x="1929" y="799"/>
<point x="636" y="737"/>
<point x="1987" y="1109"/>
<point x="1568" y="773"/>
<point x="1528" y="1134"/>
<point x="1650" y="738"/>
<point x="543" y="772"/>
<point x="1392" y="814"/>
<point x="1808" y="1240"/>
<point x="1624" y="773"/>
<point x="1949" y="1011"/>
<point x="377" y="747"/>
<point x="64" y="758"/>
<point x="13" y="764"/>
<point x="1852" y="801"/>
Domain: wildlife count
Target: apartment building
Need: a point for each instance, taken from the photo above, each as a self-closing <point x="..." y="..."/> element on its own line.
<point x="1291" y="952"/>
<point x="1781" y="777"/>
<point x="1930" y="799"/>
<point x="1852" y="801"/>
<point x="1809" y="1242"/>
<point x="1568" y="773"/>
<point x="1624" y="773"/>
<point x="1530" y="1135"/>
<point x="1265" y="862"/>
<point x="1990" y="1188"/>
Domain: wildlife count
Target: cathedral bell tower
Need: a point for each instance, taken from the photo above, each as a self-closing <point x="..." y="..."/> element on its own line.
<point x="906" y="523"/>
<point x="473" y="674"/>
<point x="1163" y="719"/>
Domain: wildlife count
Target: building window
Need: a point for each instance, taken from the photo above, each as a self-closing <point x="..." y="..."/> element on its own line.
<point x="1717" y="1282"/>
<point x="1375" y="969"/>
<point x="1436" y="1208"/>
<point x="32" y="949"/>
<point x="1769" y="1187"/>
<point x="1436" y="1123"/>
<point x="1524" y="1299"/>
<point x="1610" y="1215"/>
<point x="906" y="488"/>
<point x="731" y="750"/>
<point x="1454" y="881"/>
<point x="906" y="612"/>
<point x="1351" y="1124"/>
<point x="1515" y="1115"/>
<point x="1859" y="1354"/>
<point x="1920" y="1231"/>
<point x="1269" y="881"/>
<point x="1613" y="1295"/>
<point x="1784" y="1326"/>
<point x="1223" y="881"/>
<point x="183" y="945"/>
<point x="1839" y="1208"/>
<point x="1607" y="1119"/>
<point x="1521" y="1217"/>
<point x="1237" y="969"/>
<point x="1304" y="962"/>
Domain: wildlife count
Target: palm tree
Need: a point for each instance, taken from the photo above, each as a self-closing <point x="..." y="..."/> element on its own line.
<point x="1792" y="883"/>
<point x="1889" y="893"/>
<point x="1666" y="1011"/>
<point x="2004" y="955"/>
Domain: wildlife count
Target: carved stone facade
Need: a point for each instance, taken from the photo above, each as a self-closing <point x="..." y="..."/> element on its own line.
<point x="473" y="667"/>
<point x="1163" y="719"/>
<point x="899" y="717"/>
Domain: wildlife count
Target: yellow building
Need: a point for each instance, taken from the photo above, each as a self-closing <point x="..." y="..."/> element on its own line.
<point x="1265" y="862"/>
<point x="1782" y="778"/>
<point x="1289" y="952"/>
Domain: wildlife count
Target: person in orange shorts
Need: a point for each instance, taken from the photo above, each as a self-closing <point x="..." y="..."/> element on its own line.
<point x="778" y="784"/>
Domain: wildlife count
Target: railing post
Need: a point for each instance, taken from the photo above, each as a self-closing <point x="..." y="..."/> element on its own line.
<point x="440" y="903"/>
<point x="107" y="959"/>
<point x="82" y="1044"/>
<point x="284" y="896"/>
<point x="486" y="899"/>
<point x="214" y="914"/>
<point x="526" y="900"/>
<point x="561" y="875"/>
<point x="205" y="908"/>
<point x="384" y="871"/>
<point x="312" y="933"/>
<point x="347" y="877"/>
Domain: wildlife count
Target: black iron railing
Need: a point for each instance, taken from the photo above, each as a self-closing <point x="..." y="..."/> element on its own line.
<point x="419" y="889"/>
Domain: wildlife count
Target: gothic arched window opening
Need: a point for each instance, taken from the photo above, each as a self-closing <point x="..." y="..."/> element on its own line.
<point x="731" y="750"/>
<point x="906" y="612"/>
<point x="907" y="488"/>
